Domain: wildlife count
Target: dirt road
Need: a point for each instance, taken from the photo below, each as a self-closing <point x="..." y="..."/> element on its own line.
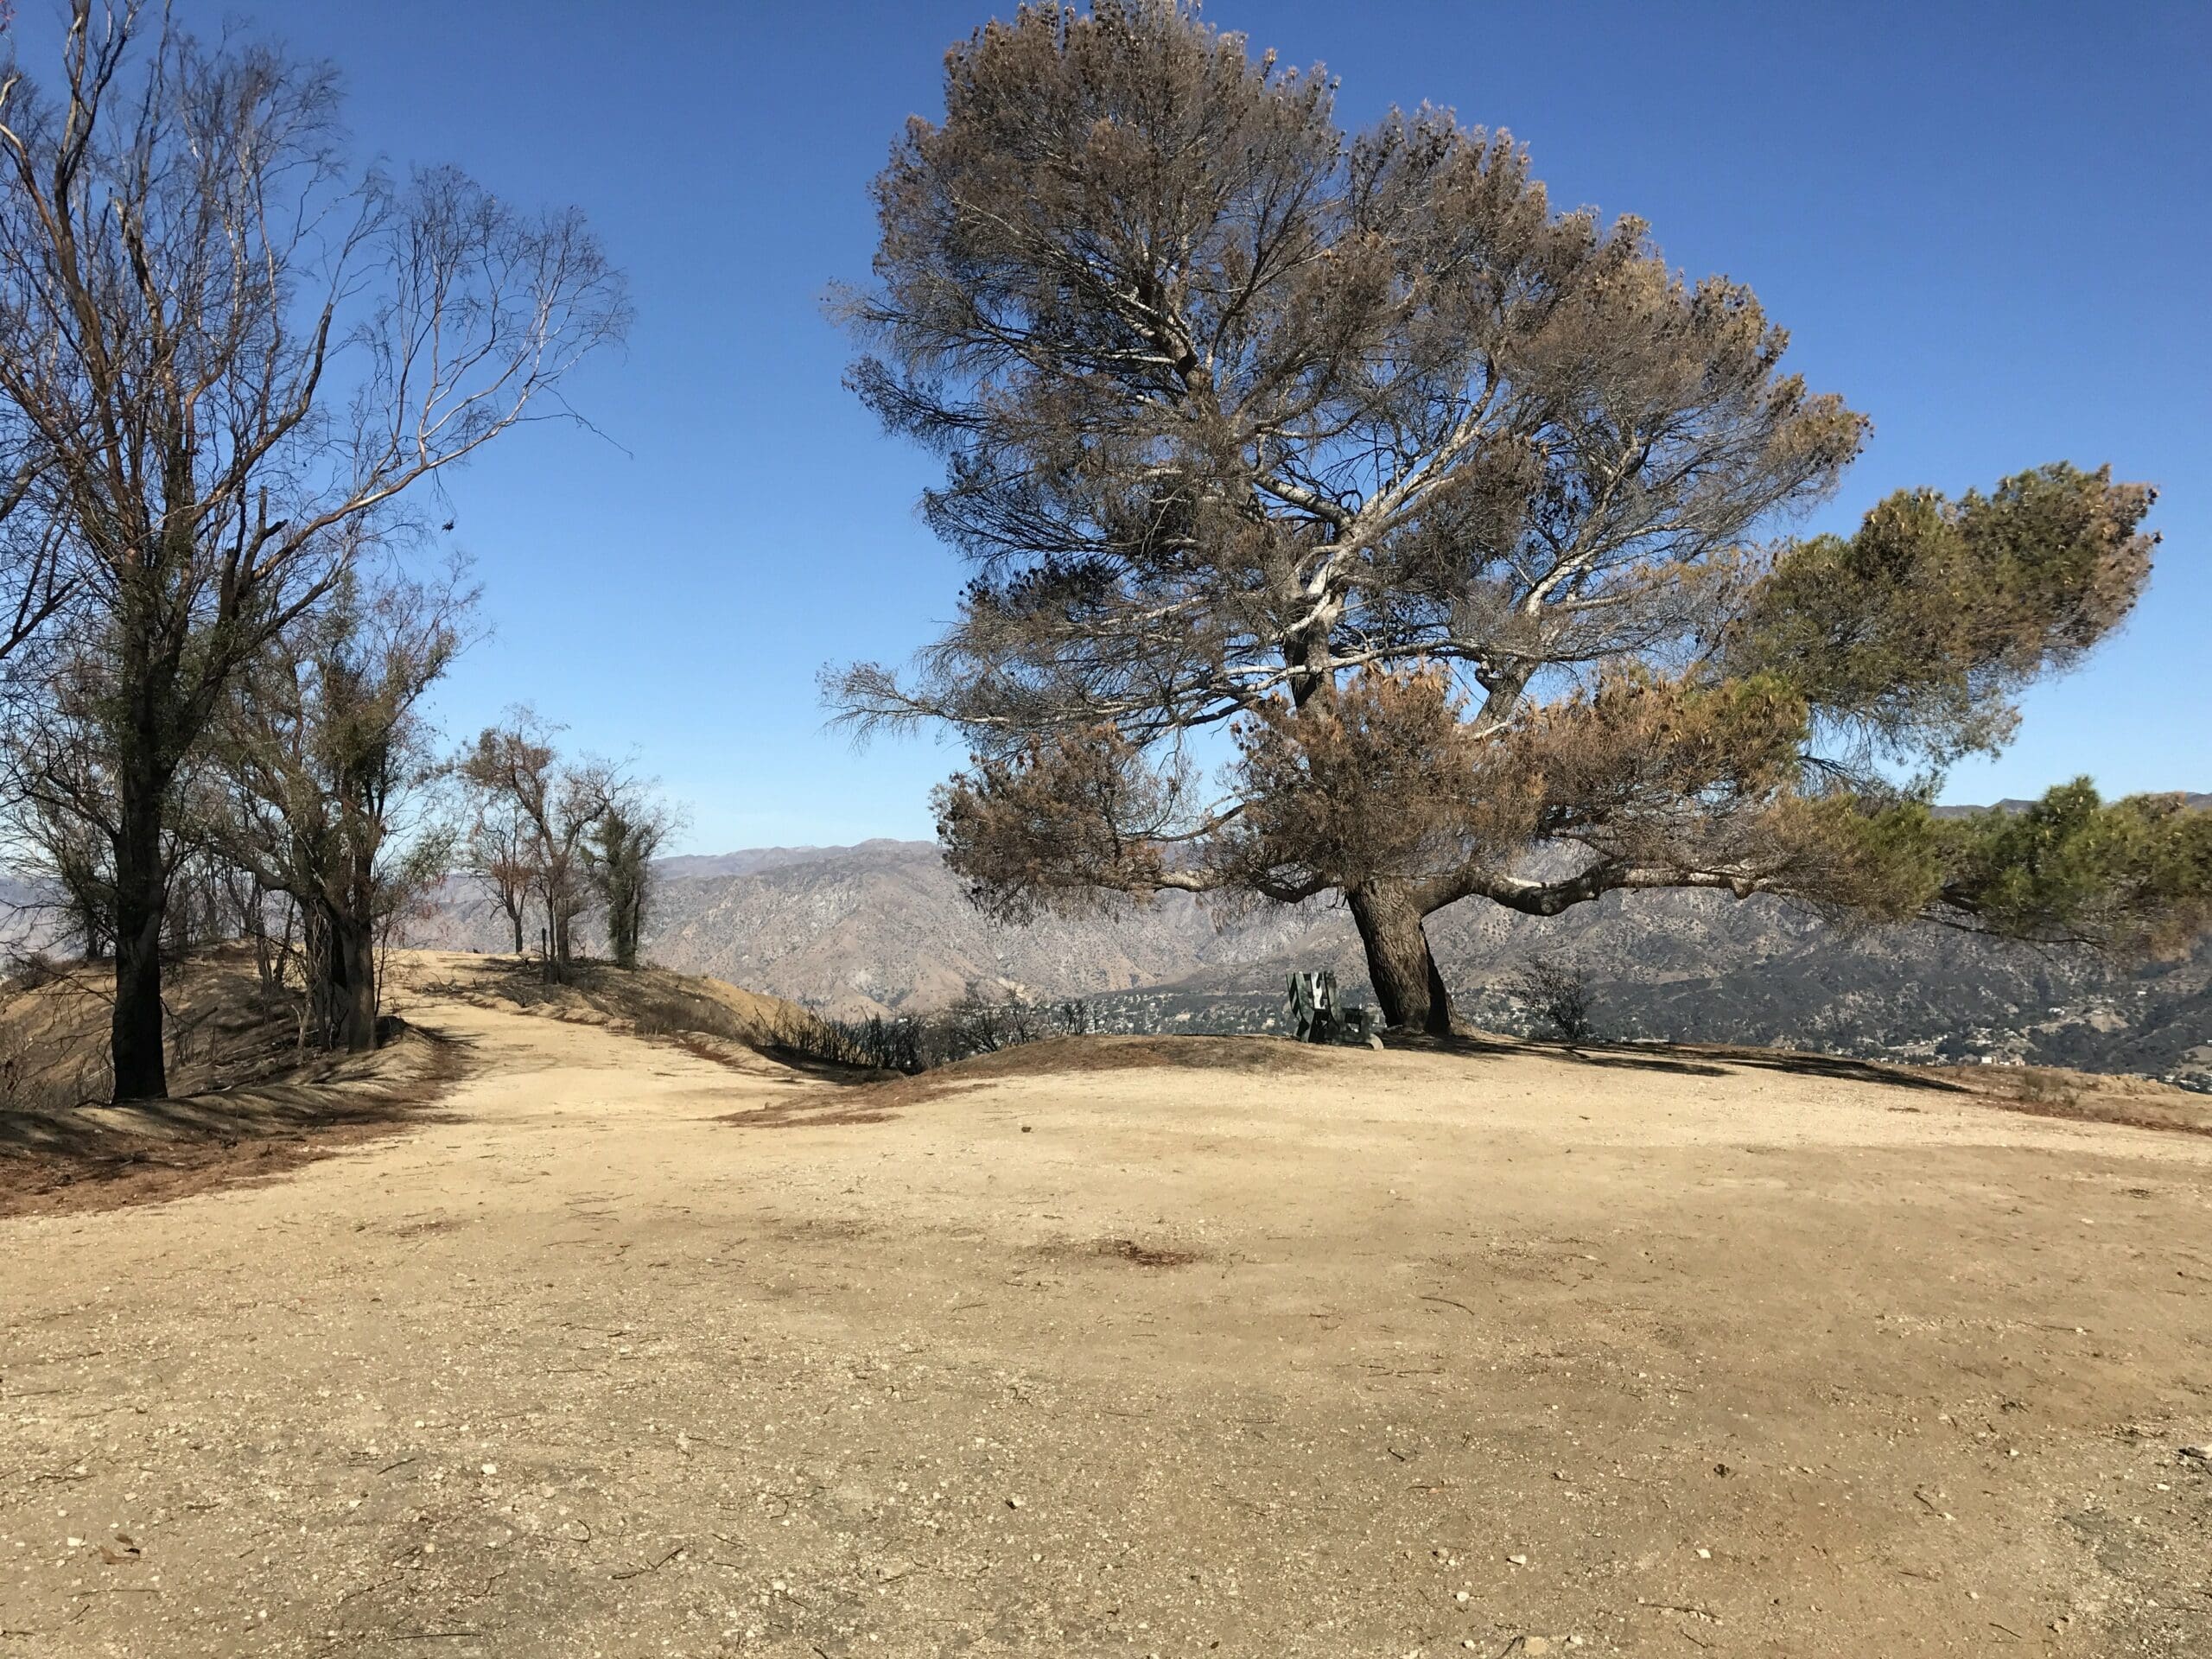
<point x="1271" y="1353"/>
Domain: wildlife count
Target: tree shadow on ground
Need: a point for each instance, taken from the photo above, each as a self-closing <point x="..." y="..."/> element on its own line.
<point x="99" y="1157"/>
<point x="873" y="1096"/>
<point x="1682" y="1059"/>
<point x="1720" y="1062"/>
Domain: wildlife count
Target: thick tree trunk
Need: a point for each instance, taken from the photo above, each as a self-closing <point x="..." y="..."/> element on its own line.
<point x="1406" y="985"/>
<point x="558" y="936"/>
<point x="515" y="916"/>
<point x="140" y="900"/>
<point x="352" y="993"/>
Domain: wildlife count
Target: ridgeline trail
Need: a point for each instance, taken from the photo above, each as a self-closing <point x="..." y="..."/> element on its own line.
<point x="1130" y="1347"/>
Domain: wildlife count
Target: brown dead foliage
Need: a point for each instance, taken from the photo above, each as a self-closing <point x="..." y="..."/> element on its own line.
<point x="649" y="1001"/>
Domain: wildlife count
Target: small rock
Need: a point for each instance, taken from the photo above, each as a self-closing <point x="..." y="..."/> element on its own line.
<point x="1535" y="1645"/>
<point x="1459" y="1595"/>
<point x="1518" y="1560"/>
<point x="1014" y="1502"/>
<point x="491" y="1468"/>
<point x="1705" y="1554"/>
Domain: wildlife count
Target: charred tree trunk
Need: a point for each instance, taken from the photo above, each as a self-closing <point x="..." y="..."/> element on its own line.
<point x="341" y="979"/>
<point x="556" y="956"/>
<point x="255" y="918"/>
<point x="351" y="998"/>
<point x="1407" y="985"/>
<point x="141" y="903"/>
<point x="623" y="925"/>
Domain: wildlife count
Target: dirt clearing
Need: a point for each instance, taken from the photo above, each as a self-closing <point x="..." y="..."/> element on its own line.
<point x="1368" y="1355"/>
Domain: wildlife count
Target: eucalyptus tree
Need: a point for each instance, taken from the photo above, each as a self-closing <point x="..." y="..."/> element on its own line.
<point x="228" y="351"/>
<point x="1458" y="516"/>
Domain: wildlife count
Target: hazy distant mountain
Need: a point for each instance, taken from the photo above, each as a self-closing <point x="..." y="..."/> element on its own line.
<point x="691" y="867"/>
<point x="884" y="927"/>
<point x="2012" y="804"/>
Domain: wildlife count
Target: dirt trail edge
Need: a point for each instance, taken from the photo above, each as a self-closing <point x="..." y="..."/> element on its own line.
<point x="631" y="1353"/>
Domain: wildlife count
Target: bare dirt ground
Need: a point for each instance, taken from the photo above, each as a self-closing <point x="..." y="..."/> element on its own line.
<point x="1206" y="1348"/>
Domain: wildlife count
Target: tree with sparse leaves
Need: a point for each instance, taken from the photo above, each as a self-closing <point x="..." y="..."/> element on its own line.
<point x="495" y="851"/>
<point x="619" y="853"/>
<point x="1454" y="514"/>
<point x="1558" y="992"/>
<point x="558" y="806"/>
<point x="332" y="771"/>
<point x="227" y="355"/>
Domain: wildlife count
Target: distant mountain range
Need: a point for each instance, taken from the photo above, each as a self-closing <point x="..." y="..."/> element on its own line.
<point x="884" y="928"/>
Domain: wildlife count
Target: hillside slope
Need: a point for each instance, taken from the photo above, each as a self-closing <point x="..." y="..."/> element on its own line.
<point x="246" y="1101"/>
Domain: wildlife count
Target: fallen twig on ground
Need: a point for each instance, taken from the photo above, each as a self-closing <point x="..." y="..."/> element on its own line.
<point x="639" y="1572"/>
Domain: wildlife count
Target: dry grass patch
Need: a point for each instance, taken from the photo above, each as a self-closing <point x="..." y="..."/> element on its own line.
<point x="709" y="1018"/>
<point x="2085" y="1097"/>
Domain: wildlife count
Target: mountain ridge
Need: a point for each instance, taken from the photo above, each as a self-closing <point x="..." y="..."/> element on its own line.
<point x="882" y="927"/>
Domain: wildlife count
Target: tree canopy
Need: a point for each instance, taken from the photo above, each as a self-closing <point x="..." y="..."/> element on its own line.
<point x="1462" y="516"/>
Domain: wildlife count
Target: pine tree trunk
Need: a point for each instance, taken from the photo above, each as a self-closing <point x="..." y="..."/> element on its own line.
<point x="1407" y="985"/>
<point x="141" y="896"/>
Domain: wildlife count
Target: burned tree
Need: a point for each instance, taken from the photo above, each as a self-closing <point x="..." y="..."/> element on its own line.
<point x="330" y="766"/>
<point x="557" y="805"/>
<point x="496" y="852"/>
<point x="226" y="354"/>
<point x="1450" y="514"/>
<point x="619" y="853"/>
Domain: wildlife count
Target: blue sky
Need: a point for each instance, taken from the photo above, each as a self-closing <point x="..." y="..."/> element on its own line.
<point x="1984" y="224"/>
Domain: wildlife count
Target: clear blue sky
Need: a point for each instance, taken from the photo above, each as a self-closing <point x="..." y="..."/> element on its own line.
<point x="1988" y="224"/>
